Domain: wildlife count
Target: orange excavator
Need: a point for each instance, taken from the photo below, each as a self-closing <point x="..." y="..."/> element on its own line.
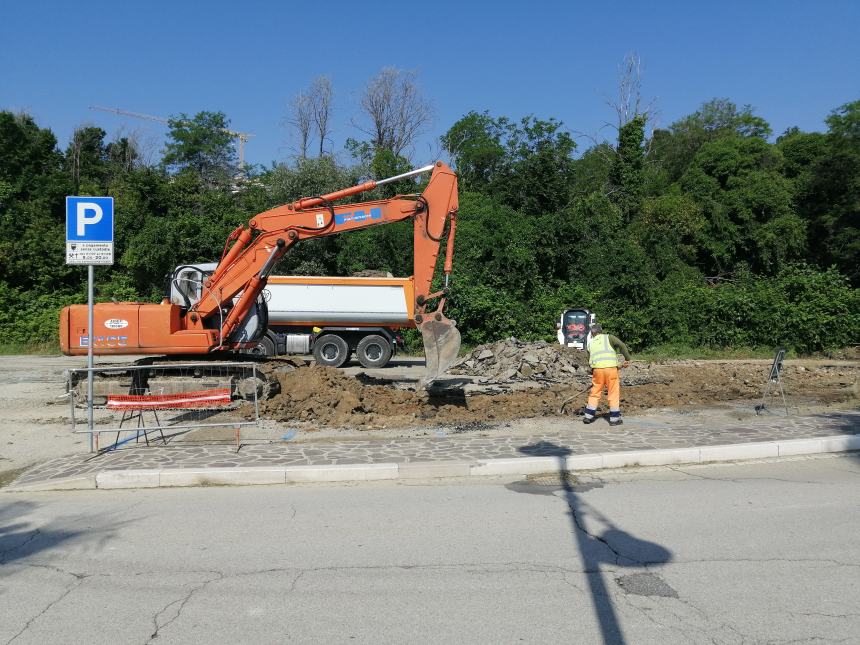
<point x="227" y="310"/>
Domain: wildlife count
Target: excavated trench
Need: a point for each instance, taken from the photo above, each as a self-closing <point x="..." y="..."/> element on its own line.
<point x="512" y="380"/>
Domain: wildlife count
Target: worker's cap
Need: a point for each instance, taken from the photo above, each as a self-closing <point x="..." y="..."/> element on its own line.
<point x="596" y="328"/>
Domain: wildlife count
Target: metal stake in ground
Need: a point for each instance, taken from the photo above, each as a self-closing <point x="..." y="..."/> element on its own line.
<point x="773" y="377"/>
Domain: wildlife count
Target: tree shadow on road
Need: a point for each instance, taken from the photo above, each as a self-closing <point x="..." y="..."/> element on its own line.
<point x="613" y="546"/>
<point x="21" y="538"/>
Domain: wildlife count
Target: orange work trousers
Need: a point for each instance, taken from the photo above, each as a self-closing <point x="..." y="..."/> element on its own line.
<point x="605" y="377"/>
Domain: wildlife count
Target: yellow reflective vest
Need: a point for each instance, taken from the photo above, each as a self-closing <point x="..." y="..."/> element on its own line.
<point x="601" y="353"/>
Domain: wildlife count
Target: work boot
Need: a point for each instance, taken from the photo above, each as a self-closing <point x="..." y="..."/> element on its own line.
<point x="588" y="420"/>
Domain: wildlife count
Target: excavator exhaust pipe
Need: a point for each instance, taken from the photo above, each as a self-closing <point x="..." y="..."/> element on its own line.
<point x="441" y="345"/>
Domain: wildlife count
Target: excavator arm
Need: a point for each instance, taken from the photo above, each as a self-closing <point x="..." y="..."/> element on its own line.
<point x="245" y="266"/>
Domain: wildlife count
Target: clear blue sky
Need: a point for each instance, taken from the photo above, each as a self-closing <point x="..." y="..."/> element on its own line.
<point x="793" y="61"/>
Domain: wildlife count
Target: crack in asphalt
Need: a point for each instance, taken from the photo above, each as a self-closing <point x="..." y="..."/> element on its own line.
<point x="173" y="610"/>
<point x="579" y="524"/>
<point x="51" y="567"/>
<point x="80" y="579"/>
<point x="823" y="614"/>
<point x="295" y="582"/>
<point x="742" y="480"/>
<point x="577" y="521"/>
<point x="570" y="583"/>
<point x="838" y="563"/>
<point x="181" y="602"/>
<point x="648" y="614"/>
<point x="809" y="639"/>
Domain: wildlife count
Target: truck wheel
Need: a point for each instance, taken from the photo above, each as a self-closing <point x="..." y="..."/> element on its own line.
<point x="373" y="351"/>
<point x="266" y="347"/>
<point x="331" y="350"/>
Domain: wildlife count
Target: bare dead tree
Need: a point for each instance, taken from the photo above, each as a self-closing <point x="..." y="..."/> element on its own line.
<point x="125" y="149"/>
<point x="629" y="103"/>
<point x="145" y="144"/>
<point x="629" y="88"/>
<point x="301" y="117"/>
<point x="75" y="147"/>
<point x="396" y="108"/>
<point x="435" y="152"/>
<point x="321" y="95"/>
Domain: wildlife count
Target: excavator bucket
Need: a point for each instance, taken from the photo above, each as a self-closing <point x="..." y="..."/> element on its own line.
<point x="441" y="345"/>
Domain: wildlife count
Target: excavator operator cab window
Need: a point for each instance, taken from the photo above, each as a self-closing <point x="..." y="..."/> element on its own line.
<point x="186" y="285"/>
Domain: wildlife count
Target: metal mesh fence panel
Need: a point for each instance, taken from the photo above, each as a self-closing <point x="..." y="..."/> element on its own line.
<point x="157" y="401"/>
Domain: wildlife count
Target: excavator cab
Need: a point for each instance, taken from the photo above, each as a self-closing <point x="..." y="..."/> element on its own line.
<point x="185" y="287"/>
<point x="573" y="327"/>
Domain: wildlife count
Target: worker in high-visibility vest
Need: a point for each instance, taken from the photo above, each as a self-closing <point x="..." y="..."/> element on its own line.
<point x="604" y="373"/>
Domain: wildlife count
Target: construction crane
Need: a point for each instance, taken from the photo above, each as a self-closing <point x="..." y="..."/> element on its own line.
<point x="241" y="136"/>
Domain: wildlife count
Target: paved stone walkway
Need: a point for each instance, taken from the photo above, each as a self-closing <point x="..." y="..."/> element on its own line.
<point x="465" y="446"/>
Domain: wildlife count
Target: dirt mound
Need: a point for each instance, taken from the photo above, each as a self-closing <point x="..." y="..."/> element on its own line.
<point x="515" y="360"/>
<point x="326" y="397"/>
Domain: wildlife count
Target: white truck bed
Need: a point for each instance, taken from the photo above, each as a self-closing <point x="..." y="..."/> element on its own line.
<point x="328" y="301"/>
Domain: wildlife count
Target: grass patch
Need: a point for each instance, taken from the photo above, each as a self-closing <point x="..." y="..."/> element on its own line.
<point x="42" y="349"/>
<point x="8" y="476"/>
<point x="674" y="352"/>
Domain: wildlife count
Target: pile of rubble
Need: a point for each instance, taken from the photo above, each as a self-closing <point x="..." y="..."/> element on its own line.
<point x="515" y="360"/>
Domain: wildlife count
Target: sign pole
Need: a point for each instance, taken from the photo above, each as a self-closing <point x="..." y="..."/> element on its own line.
<point x="90" y="272"/>
<point x="89" y="240"/>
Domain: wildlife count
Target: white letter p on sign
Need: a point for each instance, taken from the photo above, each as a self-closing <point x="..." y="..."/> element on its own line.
<point x="83" y="220"/>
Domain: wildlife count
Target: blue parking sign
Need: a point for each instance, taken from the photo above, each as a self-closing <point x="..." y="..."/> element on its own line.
<point x="89" y="230"/>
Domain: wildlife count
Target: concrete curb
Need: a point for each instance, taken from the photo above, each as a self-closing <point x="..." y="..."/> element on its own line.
<point x="512" y="466"/>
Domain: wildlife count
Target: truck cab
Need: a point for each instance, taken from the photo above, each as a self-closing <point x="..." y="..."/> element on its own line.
<point x="573" y="327"/>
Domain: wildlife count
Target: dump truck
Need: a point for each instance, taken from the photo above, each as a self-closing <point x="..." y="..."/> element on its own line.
<point x="333" y="318"/>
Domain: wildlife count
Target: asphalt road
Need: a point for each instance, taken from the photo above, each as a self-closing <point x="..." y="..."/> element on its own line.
<point x="753" y="553"/>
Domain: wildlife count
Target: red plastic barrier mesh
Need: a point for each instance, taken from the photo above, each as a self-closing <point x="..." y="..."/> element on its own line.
<point x="199" y="399"/>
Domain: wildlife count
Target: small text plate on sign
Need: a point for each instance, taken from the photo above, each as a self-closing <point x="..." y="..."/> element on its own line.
<point x="89" y="230"/>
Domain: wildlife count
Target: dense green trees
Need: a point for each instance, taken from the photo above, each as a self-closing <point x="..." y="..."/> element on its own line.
<point x="201" y="146"/>
<point x="829" y="186"/>
<point x="706" y="233"/>
<point x="528" y="165"/>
